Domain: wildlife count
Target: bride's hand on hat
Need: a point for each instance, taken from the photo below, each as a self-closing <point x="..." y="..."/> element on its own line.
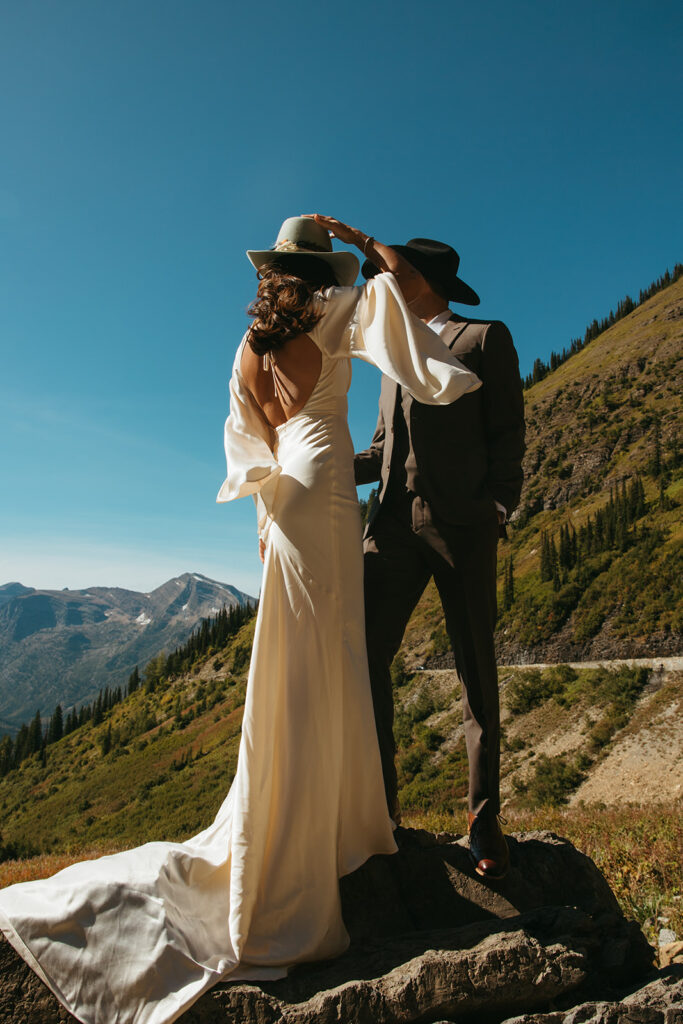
<point x="409" y="279"/>
<point x="351" y="236"/>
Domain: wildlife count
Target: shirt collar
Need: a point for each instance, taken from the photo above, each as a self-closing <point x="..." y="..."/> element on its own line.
<point x="438" y="322"/>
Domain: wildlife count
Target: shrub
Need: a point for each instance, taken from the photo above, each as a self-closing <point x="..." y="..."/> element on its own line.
<point x="552" y="782"/>
<point x="410" y="762"/>
<point x="399" y="676"/>
<point x="431" y="738"/>
<point x="525" y="692"/>
<point x="422" y="707"/>
<point x="528" y="690"/>
<point x="443" y="785"/>
<point x="601" y="734"/>
<point x="16" y="849"/>
<point x="440" y="643"/>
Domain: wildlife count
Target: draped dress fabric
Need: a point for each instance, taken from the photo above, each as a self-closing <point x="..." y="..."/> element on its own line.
<point x="137" y="937"/>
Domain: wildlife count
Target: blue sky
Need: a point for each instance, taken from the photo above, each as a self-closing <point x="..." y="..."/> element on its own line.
<point x="148" y="143"/>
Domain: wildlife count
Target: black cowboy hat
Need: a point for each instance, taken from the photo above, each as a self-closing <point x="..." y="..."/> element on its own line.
<point x="438" y="263"/>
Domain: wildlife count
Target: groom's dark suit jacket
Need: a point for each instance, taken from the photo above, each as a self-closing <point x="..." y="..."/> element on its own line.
<point x="462" y="457"/>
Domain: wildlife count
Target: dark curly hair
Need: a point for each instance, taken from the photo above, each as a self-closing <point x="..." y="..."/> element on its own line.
<point x="283" y="307"/>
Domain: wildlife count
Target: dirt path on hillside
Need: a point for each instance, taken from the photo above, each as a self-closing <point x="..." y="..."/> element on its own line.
<point x="666" y="664"/>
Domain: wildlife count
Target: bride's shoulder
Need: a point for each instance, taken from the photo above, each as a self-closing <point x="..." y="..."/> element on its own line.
<point x="336" y="301"/>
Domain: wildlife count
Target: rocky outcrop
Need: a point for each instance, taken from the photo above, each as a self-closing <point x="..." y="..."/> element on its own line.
<point x="659" y="1002"/>
<point x="605" y="645"/>
<point x="432" y="942"/>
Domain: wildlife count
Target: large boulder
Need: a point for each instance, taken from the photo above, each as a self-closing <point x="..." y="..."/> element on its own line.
<point x="431" y="941"/>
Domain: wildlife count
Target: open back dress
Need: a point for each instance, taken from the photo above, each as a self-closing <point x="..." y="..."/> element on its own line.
<point x="137" y="937"/>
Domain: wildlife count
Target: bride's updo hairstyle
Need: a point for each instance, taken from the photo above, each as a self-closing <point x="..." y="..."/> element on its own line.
<point x="283" y="307"/>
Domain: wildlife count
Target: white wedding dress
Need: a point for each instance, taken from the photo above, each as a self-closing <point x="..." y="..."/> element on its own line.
<point x="137" y="937"/>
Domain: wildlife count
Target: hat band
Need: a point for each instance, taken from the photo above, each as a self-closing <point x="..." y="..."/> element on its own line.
<point x="286" y="246"/>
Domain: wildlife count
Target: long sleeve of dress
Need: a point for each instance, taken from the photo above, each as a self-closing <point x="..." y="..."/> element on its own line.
<point x="373" y="323"/>
<point x="252" y="467"/>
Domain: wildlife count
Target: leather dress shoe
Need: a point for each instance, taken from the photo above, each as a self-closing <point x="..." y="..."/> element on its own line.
<point x="488" y="846"/>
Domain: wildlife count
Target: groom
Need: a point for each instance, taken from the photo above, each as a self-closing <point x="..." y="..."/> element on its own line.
<point x="449" y="478"/>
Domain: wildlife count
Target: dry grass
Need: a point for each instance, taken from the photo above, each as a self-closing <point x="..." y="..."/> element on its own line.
<point x="48" y="864"/>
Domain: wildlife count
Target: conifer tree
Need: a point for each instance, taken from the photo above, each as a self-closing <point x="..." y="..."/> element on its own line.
<point x="508" y="584"/>
<point x="97" y="710"/>
<point x="6" y="755"/>
<point x="546" y="558"/>
<point x="134" y="680"/>
<point x="665" y="502"/>
<point x="105" y="740"/>
<point x="554" y="564"/>
<point x="656" y="461"/>
<point x="565" y="551"/>
<point x="35" y="734"/>
<point x="21" y="744"/>
<point x="55" y="729"/>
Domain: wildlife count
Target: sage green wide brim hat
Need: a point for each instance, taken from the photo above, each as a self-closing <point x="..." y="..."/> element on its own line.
<point x="304" y="236"/>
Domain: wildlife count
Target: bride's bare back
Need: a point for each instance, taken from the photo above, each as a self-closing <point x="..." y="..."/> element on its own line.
<point x="283" y="381"/>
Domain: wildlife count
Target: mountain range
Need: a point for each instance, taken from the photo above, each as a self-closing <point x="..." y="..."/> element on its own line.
<point x="65" y="645"/>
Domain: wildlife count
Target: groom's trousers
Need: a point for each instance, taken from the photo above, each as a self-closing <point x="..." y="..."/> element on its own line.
<point x="403" y="550"/>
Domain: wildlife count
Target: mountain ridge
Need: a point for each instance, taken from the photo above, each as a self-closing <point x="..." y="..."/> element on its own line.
<point x="63" y="646"/>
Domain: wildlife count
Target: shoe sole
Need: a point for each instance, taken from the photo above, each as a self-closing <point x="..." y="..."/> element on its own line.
<point x="491" y="878"/>
<point x="484" y="874"/>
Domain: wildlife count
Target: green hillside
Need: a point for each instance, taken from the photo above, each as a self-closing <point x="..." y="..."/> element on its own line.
<point x="157" y="766"/>
<point x="603" y="423"/>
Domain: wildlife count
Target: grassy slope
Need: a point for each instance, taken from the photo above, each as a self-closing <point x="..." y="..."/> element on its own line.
<point x="166" y="782"/>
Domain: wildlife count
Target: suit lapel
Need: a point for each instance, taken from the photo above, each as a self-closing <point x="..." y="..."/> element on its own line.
<point x="406" y="405"/>
<point x="455" y="328"/>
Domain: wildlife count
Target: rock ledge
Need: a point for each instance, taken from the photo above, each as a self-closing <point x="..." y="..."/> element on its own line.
<point x="431" y="942"/>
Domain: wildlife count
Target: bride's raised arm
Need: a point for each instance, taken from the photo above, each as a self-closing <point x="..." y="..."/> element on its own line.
<point x="383" y="256"/>
<point x="373" y="323"/>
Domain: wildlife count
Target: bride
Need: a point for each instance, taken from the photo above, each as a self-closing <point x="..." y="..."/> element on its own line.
<point x="137" y="937"/>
